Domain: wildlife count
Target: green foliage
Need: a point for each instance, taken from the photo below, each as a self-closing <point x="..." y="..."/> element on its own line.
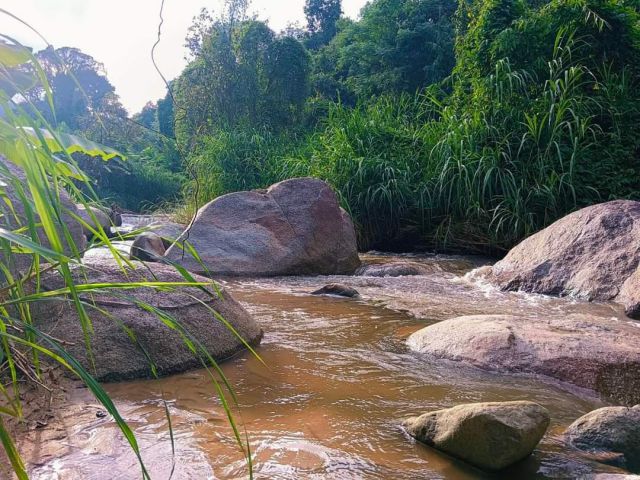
<point x="242" y="75"/>
<point x="79" y="88"/>
<point x="36" y="167"/>
<point x="322" y="19"/>
<point x="241" y="159"/>
<point x="397" y="46"/>
<point x="541" y="121"/>
<point x="141" y="182"/>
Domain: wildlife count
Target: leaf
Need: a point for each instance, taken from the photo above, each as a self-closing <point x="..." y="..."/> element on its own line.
<point x="13" y="55"/>
<point x="73" y="143"/>
<point x="29" y="245"/>
<point x="12" y="453"/>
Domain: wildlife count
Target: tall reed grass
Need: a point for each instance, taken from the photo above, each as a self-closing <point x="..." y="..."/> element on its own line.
<point x="36" y="238"/>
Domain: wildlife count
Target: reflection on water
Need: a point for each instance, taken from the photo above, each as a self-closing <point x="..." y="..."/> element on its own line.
<point x="337" y="381"/>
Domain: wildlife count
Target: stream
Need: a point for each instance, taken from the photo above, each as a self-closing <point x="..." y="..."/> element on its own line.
<point x="336" y="381"/>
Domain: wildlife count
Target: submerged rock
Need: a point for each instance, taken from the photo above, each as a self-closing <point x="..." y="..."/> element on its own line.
<point x="592" y="352"/>
<point x="337" y="289"/>
<point x="148" y="247"/>
<point x="590" y="253"/>
<point x="490" y="435"/>
<point x="294" y="227"/>
<point x="392" y="269"/>
<point x="117" y="356"/>
<point x="612" y="434"/>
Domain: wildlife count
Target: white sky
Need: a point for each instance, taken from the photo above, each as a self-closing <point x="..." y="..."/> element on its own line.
<point x="120" y="34"/>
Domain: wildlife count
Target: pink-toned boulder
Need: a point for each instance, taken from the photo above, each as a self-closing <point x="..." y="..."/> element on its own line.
<point x="610" y="434"/>
<point x="592" y="352"/>
<point x="592" y="253"/>
<point x="295" y="227"/>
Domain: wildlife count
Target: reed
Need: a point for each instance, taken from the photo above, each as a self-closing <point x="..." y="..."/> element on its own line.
<point x="38" y="168"/>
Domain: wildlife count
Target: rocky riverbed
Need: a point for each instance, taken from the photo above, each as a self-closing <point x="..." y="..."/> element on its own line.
<point x="336" y="383"/>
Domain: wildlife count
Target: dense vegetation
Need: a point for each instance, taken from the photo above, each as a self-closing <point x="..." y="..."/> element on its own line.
<point x="451" y="125"/>
<point x="42" y="236"/>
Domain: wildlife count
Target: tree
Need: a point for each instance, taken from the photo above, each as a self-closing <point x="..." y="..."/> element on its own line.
<point x="397" y="46"/>
<point x="165" y="115"/>
<point x="287" y="74"/>
<point x="78" y="83"/>
<point x="147" y="116"/>
<point x="242" y="75"/>
<point x="322" y="17"/>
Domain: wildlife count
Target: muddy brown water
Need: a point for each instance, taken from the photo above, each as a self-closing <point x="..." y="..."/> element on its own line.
<point x="337" y="382"/>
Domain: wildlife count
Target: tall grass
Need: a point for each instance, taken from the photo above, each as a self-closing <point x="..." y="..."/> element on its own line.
<point x="475" y="174"/>
<point x="36" y="239"/>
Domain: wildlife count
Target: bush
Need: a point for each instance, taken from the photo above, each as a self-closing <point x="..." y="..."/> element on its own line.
<point x="138" y="183"/>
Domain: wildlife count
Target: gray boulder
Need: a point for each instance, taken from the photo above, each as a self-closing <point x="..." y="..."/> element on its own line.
<point x="116" y="356"/>
<point x="337" y="289"/>
<point x="148" y="247"/>
<point x="490" y="435"/>
<point x="591" y="352"/>
<point x="611" y="434"/>
<point x="590" y="254"/>
<point x="294" y="227"/>
<point x="629" y="295"/>
<point x="102" y="220"/>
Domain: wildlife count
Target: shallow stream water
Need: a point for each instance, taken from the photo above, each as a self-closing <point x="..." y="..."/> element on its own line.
<point x="336" y="381"/>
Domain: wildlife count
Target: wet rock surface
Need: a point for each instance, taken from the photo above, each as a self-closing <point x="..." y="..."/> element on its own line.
<point x="612" y="434"/>
<point x="592" y="352"/>
<point x="491" y="435"/>
<point x="590" y="253"/>
<point x="117" y="356"/>
<point x="338" y="290"/>
<point x="295" y="227"/>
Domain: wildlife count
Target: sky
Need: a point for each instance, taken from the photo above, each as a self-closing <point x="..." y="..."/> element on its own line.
<point x="120" y="34"/>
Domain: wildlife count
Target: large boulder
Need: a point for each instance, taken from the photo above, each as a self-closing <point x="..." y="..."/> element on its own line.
<point x="590" y="253"/>
<point x="117" y="356"/>
<point x="294" y="227"/>
<point x="611" y="433"/>
<point x="490" y="435"/>
<point x="592" y="352"/>
<point x="14" y="213"/>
